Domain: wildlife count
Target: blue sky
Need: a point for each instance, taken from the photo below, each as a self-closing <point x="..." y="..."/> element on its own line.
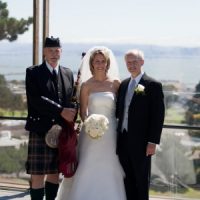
<point x="162" y="22"/>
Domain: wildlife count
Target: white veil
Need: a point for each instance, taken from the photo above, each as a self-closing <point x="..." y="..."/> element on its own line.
<point x="113" y="71"/>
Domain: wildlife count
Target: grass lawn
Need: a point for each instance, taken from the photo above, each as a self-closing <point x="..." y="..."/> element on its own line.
<point x="175" y="115"/>
<point x="177" y="192"/>
<point x="13" y="113"/>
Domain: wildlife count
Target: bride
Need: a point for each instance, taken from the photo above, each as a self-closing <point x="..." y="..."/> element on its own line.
<point x="99" y="175"/>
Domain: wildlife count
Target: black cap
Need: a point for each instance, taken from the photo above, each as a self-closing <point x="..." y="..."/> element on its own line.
<point x="52" y="42"/>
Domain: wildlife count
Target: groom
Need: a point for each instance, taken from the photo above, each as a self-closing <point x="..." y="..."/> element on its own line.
<point x="140" y="111"/>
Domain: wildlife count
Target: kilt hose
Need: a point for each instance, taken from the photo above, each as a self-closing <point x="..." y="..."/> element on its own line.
<point x="41" y="158"/>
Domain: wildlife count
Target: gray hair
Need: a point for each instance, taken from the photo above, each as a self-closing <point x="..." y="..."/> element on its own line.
<point x="137" y="53"/>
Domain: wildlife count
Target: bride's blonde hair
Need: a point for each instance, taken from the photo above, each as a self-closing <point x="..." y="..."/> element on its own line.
<point x="86" y="63"/>
<point x="104" y="53"/>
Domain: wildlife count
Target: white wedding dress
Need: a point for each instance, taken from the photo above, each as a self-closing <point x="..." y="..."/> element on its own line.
<point x="99" y="175"/>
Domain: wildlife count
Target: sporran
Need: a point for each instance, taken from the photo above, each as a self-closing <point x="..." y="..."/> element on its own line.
<point x="52" y="136"/>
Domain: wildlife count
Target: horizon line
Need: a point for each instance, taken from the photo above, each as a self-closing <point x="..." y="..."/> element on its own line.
<point x="112" y="43"/>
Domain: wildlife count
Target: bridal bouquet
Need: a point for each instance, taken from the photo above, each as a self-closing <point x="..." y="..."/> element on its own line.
<point x="96" y="125"/>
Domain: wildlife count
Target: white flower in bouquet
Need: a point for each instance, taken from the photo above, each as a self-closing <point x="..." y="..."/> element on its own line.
<point x="96" y="125"/>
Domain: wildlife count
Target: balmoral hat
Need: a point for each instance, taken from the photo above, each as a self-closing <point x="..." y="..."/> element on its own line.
<point x="52" y="42"/>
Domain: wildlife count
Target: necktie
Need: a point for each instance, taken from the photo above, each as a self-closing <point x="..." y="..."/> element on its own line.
<point x="55" y="81"/>
<point x="55" y="76"/>
<point x="128" y="98"/>
<point x="130" y="91"/>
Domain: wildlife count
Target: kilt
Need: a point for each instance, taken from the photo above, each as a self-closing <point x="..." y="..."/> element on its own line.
<point x="41" y="158"/>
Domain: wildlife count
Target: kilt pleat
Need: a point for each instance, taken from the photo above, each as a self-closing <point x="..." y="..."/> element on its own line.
<point x="41" y="158"/>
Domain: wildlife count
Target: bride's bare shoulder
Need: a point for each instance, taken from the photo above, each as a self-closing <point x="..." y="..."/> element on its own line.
<point x="87" y="85"/>
<point x="115" y="82"/>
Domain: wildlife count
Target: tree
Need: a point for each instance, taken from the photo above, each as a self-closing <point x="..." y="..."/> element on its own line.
<point x="10" y="27"/>
<point x="8" y="100"/>
<point x="13" y="160"/>
<point x="193" y="112"/>
<point x="170" y="95"/>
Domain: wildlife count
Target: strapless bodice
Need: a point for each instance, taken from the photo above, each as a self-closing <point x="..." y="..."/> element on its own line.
<point x="102" y="103"/>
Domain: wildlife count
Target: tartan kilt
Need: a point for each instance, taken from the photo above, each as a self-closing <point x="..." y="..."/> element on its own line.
<point x="41" y="158"/>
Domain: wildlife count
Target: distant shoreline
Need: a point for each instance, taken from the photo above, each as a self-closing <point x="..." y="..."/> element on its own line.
<point x="161" y="62"/>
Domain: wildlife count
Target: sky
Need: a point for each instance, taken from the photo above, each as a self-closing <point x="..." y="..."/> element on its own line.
<point x="159" y="22"/>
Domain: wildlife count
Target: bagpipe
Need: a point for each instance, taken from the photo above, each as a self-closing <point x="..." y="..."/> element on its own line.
<point x="67" y="141"/>
<point x="65" y="138"/>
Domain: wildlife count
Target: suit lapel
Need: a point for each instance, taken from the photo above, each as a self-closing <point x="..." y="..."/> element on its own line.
<point x="45" y="79"/>
<point x="64" y="77"/>
<point x="67" y="84"/>
<point x="124" y="90"/>
<point x="142" y="82"/>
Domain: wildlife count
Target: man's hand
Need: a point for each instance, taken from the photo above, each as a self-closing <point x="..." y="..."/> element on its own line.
<point x="151" y="149"/>
<point x="68" y="114"/>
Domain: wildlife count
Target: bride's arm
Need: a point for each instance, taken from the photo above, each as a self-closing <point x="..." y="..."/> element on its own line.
<point x="84" y="101"/>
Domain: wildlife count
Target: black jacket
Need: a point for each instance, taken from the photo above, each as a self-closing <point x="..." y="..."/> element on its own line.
<point x="41" y="113"/>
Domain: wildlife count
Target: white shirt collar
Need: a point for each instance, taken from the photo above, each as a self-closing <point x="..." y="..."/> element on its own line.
<point x="51" y="68"/>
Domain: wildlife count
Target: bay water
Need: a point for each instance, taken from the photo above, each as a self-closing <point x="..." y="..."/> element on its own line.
<point x="184" y="69"/>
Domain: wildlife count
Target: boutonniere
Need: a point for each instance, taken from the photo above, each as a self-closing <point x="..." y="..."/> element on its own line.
<point x="140" y="89"/>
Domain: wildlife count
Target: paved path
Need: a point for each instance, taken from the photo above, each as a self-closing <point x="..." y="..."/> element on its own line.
<point x="24" y="195"/>
<point x="14" y="195"/>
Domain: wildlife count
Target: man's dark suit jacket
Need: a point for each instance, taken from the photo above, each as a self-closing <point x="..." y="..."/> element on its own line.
<point x="43" y="114"/>
<point x="145" y="117"/>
